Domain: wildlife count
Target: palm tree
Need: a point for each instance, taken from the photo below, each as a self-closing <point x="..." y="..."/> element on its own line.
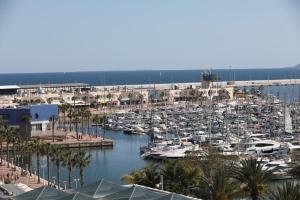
<point x="21" y="149"/>
<point x="38" y="145"/>
<point x="253" y="176"/>
<point x="295" y="171"/>
<point x="52" y="119"/>
<point x="219" y="186"/>
<point x="74" y="100"/>
<point x="69" y="162"/>
<point x="180" y="175"/>
<point x="64" y="108"/>
<point x="26" y="119"/>
<point x="70" y="116"/>
<point x="56" y="157"/>
<point x="82" y="160"/>
<point x="47" y="150"/>
<point x="8" y="133"/>
<point x="2" y="139"/>
<point x="148" y="176"/>
<point x="88" y="118"/>
<point x="141" y="98"/>
<point x="96" y="120"/>
<point x="14" y="141"/>
<point x="83" y="114"/>
<point x="75" y="117"/>
<point x="29" y="149"/>
<point x="97" y="97"/>
<point x="130" y="96"/>
<point x="287" y="191"/>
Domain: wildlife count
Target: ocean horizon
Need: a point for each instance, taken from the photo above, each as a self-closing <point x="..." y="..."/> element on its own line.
<point x="135" y="77"/>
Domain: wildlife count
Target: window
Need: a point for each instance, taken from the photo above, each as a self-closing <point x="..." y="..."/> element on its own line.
<point x="4" y="117"/>
<point x="36" y="115"/>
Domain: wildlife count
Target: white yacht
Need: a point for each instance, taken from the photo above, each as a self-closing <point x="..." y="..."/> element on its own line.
<point x="266" y="147"/>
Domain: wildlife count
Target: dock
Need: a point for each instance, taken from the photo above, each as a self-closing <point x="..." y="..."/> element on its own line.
<point x="68" y="139"/>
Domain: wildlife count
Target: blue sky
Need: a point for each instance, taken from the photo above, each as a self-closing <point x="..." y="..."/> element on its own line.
<point x="71" y="35"/>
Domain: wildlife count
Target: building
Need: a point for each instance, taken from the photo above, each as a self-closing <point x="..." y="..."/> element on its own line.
<point x="29" y="118"/>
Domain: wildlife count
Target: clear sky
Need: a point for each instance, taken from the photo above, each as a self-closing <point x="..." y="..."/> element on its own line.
<point x="85" y="35"/>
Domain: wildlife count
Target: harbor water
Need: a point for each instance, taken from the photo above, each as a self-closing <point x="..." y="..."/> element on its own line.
<point x="108" y="163"/>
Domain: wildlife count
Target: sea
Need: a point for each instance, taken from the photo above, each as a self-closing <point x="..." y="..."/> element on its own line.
<point x="112" y="163"/>
<point x="98" y="78"/>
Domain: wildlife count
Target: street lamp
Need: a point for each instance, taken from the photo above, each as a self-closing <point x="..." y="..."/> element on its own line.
<point x="76" y="182"/>
<point x="53" y="181"/>
<point x="65" y="185"/>
<point x="43" y="167"/>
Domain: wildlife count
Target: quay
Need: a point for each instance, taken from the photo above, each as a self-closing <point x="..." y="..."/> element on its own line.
<point x="68" y="140"/>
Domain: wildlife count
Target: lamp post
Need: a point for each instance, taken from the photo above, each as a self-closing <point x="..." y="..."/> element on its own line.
<point x="12" y="162"/>
<point x="76" y="182"/>
<point x="65" y="185"/>
<point x="43" y="167"/>
<point x="53" y="181"/>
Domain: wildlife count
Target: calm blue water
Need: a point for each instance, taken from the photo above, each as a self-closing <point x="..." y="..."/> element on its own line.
<point x="112" y="163"/>
<point x="146" y="77"/>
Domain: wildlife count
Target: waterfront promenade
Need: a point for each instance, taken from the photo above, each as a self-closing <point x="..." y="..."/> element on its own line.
<point x="15" y="175"/>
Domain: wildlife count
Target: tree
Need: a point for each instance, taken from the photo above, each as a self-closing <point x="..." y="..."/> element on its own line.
<point x="8" y="133"/>
<point x="74" y="98"/>
<point x="253" y="176"/>
<point x="88" y="118"/>
<point x="49" y="100"/>
<point x="47" y="150"/>
<point x="188" y="173"/>
<point x="38" y="145"/>
<point x="96" y="120"/>
<point x="141" y="99"/>
<point x="295" y="171"/>
<point x="75" y="118"/>
<point x="52" y="119"/>
<point x="26" y="119"/>
<point x="69" y="162"/>
<point x="97" y="97"/>
<point x="149" y="176"/>
<point x="56" y="157"/>
<point x="85" y="98"/>
<point x="219" y="186"/>
<point x="82" y="160"/>
<point x="2" y="139"/>
<point x="29" y="149"/>
<point x="287" y="191"/>
<point x="64" y="108"/>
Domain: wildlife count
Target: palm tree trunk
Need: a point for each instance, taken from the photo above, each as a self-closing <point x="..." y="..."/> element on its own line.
<point x="29" y="164"/>
<point x="38" y="166"/>
<point x="48" y="169"/>
<point x="53" y="129"/>
<point x="254" y="195"/>
<point x="1" y="152"/>
<point x="7" y="154"/>
<point x="57" y="174"/>
<point x="64" y="118"/>
<point x="82" y="124"/>
<point x="96" y="129"/>
<point x="76" y="127"/>
<point x="70" y="176"/>
<point x="81" y="176"/>
<point x="14" y="155"/>
<point x="88" y="126"/>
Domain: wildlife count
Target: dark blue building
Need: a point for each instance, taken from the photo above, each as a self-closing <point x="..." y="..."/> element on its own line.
<point x="29" y="118"/>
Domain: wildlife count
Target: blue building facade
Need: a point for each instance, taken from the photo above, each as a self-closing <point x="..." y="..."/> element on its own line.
<point x="39" y="117"/>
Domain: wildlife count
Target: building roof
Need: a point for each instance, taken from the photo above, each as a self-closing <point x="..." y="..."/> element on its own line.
<point x="102" y="190"/>
<point x="9" y="87"/>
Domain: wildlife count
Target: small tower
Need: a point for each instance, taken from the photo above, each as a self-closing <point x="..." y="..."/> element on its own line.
<point x="207" y="79"/>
